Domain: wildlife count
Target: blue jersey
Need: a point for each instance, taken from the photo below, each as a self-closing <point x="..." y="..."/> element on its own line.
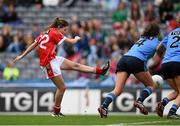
<point x="144" y="48"/>
<point x="172" y="44"/>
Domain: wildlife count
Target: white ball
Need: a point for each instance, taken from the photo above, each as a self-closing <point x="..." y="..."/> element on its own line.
<point x="158" y="80"/>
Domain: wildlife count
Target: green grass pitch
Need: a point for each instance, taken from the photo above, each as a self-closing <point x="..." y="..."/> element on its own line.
<point x="119" y="120"/>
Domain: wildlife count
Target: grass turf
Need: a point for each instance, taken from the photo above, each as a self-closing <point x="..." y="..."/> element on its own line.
<point x="85" y="120"/>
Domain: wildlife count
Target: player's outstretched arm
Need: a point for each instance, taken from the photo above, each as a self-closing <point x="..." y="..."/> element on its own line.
<point x="160" y="50"/>
<point x="157" y="56"/>
<point x="28" y="50"/>
<point x="72" y="40"/>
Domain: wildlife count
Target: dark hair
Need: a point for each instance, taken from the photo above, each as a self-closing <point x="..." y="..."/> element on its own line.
<point x="138" y="14"/>
<point x="59" y="23"/>
<point x="152" y="30"/>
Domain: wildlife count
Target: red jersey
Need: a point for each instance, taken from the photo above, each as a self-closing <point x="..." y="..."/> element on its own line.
<point x="47" y="44"/>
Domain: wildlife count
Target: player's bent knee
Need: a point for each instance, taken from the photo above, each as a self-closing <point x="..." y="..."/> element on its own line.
<point x="176" y="92"/>
<point x="62" y="89"/>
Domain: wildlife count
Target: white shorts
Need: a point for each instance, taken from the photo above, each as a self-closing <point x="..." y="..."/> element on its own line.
<point x="53" y="68"/>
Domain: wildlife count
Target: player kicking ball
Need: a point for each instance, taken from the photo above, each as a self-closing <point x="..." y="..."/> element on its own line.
<point x="134" y="61"/>
<point x="52" y="64"/>
<point x="170" y="69"/>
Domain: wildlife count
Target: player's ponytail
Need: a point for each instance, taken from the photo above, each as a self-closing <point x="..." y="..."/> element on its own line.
<point x="152" y="30"/>
<point x="59" y="23"/>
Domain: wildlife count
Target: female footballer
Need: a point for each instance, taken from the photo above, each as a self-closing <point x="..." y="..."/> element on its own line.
<point x="170" y="69"/>
<point x="52" y="64"/>
<point x="134" y="61"/>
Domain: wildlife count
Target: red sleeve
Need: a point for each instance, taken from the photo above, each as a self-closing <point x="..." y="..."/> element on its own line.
<point x="58" y="37"/>
<point x="37" y="39"/>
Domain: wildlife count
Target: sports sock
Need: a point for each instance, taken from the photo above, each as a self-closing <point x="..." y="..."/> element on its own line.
<point x="109" y="98"/>
<point x="98" y="70"/>
<point x="165" y="101"/>
<point x="144" y="94"/>
<point x="173" y="109"/>
<point x="56" y="109"/>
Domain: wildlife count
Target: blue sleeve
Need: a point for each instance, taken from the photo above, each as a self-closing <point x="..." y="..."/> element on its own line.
<point x="164" y="41"/>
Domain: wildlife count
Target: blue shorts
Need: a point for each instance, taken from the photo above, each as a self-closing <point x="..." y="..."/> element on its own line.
<point x="130" y="65"/>
<point x="170" y="70"/>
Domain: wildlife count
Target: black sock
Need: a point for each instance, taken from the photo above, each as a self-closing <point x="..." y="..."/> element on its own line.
<point x="109" y="98"/>
<point x="173" y="109"/>
<point x="144" y="94"/>
<point x="165" y="101"/>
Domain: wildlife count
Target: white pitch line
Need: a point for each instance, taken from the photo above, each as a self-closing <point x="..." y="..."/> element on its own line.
<point x="139" y="123"/>
<point x="120" y="124"/>
<point x="150" y="122"/>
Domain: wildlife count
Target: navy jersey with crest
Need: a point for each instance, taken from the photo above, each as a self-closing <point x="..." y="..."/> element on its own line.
<point x="144" y="48"/>
<point x="172" y="44"/>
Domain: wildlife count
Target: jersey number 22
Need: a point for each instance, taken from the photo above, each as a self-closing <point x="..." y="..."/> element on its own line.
<point x="44" y="39"/>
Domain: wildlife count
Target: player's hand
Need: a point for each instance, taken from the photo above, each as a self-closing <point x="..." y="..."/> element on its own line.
<point x="17" y="58"/>
<point x="77" y="38"/>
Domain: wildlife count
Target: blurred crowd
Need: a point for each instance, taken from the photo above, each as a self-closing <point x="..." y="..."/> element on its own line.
<point x="129" y="17"/>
